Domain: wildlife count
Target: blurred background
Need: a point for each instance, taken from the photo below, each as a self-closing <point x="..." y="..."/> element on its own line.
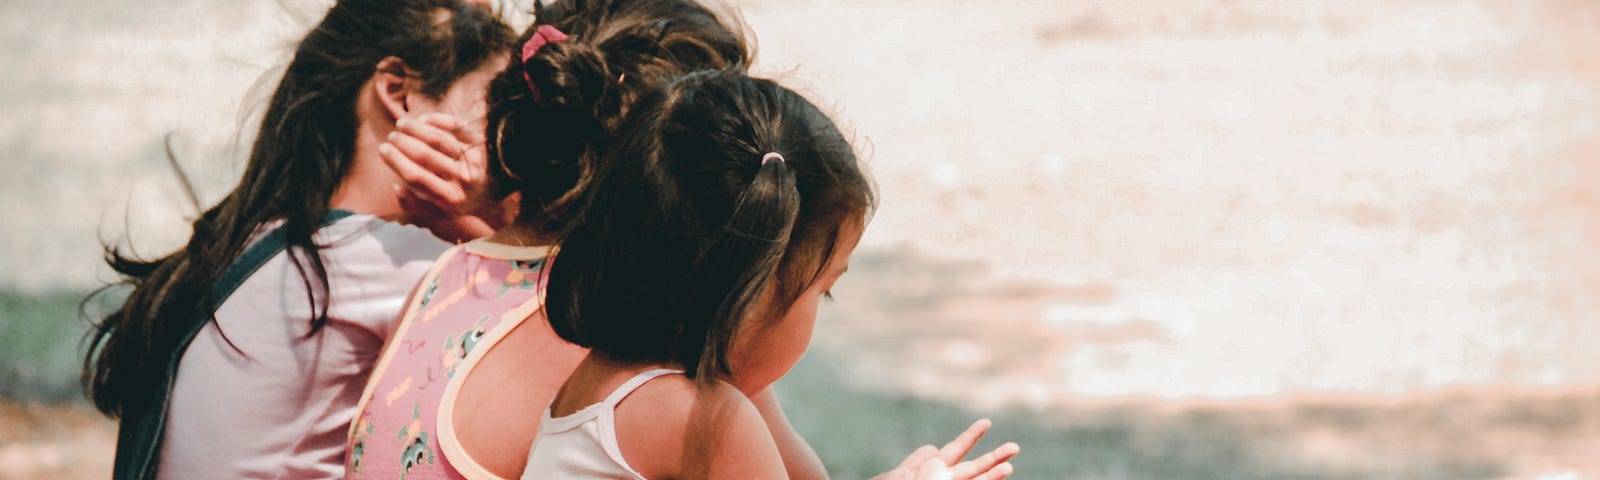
<point x="1176" y="239"/>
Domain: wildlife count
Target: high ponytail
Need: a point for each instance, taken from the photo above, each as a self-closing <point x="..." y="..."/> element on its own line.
<point x="751" y="242"/>
<point x="561" y="107"/>
<point x="551" y="113"/>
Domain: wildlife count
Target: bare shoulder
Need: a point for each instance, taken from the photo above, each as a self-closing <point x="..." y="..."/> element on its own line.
<point x="673" y="428"/>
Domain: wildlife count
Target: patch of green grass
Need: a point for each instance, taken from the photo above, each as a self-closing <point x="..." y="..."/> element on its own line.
<point x="40" y="339"/>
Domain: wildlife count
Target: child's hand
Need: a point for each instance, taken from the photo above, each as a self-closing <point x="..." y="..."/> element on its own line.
<point x="441" y="161"/>
<point x="928" y="463"/>
<point x="444" y="165"/>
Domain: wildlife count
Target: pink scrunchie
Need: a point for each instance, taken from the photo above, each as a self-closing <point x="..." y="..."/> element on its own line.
<point x="542" y="36"/>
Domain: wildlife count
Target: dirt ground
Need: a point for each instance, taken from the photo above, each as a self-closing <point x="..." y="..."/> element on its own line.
<point x="65" y="442"/>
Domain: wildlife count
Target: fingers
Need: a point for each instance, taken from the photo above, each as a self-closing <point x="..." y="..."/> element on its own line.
<point x="919" y="456"/>
<point x="419" y="180"/>
<point x="443" y="121"/>
<point x="431" y="148"/>
<point x="957" y="449"/>
<point x="449" y="123"/>
<point x="439" y="158"/>
<point x="447" y="134"/>
<point x="986" y="464"/>
<point x="930" y="463"/>
<point x="999" y="472"/>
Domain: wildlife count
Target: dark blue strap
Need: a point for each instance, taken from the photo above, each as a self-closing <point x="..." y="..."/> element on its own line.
<point x="139" y="432"/>
<point x="251" y="260"/>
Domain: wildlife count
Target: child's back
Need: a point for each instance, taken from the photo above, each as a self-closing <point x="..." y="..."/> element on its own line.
<point x="476" y="295"/>
<point x="257" y="358"/>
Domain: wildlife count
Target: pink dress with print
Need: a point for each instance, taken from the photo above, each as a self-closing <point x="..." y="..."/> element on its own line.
<point x="475" y="293"/>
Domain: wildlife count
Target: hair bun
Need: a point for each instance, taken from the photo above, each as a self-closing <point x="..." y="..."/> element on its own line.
<point x="573" y="93"/>
<point x="569" y="74"/>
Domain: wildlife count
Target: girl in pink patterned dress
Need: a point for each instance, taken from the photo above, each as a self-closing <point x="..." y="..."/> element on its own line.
<point x="448" y="397"/>
<point x="475" y="295"/>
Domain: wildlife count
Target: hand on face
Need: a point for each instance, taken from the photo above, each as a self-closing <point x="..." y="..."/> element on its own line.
<point x="437" y="153"/>
<point x="441" y="161"/>
<point x="442" y="165"/>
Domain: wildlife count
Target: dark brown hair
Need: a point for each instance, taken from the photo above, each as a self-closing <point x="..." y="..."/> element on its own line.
<point x="541" y="144"/>
<point x="299" y="156"/>
<point x="686" y="226"/>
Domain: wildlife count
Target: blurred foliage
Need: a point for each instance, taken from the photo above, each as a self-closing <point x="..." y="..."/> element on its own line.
<point x="40" y="339"/>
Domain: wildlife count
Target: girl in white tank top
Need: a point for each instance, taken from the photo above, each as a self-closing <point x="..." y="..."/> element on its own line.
<point x="726" y="212"/>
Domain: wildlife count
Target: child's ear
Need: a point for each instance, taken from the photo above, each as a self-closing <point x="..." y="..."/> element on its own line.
<point x="391" y="86"/>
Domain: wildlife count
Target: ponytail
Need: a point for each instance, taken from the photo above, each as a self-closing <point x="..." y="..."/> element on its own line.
<point x="752" y="242"/>
<point x="716" y="206"/>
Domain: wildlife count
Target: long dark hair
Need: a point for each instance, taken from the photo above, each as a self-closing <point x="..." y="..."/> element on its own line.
<point x="543" y="138"/>
<point x="686" y="226"/>
<point x="299" y="156"/>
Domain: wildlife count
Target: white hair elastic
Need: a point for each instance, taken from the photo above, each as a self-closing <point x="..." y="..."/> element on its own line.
<point x="770" y="156"/>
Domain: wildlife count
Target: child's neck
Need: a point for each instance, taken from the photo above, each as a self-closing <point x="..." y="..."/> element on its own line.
<point x="522" y="234"/>
<point x="600" y="361"/>
<point x="369" y="185"/>
<point x="589" y="382"/>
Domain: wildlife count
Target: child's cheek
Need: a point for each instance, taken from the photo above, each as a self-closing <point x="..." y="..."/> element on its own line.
<point x="764" y="355"/>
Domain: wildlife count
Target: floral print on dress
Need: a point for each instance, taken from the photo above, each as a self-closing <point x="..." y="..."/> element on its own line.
<point x="415" y="440"/>
<point x="524" y="275"/>
<point x="363" y="430"/>
<point x="465" y="302"/>
<point x="456" y="347"/>
<point x="427" y="296"/>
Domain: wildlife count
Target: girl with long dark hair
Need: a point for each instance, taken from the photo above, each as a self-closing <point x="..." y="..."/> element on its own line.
<point x="242" y="354"/>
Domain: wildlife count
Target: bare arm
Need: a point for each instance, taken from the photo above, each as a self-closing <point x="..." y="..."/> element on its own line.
<point x="672" y="428"/>
<point x="742" y="449"/>
<point x="799" y="459"/>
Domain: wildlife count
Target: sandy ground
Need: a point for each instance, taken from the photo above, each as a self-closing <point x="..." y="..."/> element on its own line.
<point x="60" y="442"/>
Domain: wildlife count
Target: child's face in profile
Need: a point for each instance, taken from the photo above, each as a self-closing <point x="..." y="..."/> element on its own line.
<point x="765" y="352"/>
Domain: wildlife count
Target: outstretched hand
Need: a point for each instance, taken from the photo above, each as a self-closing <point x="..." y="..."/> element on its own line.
<point x="443" y="164"/>
<point x="929" y="463"/>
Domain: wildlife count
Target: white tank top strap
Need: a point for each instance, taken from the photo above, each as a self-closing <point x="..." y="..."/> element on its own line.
<point x="634" y="383"/>
<point x="584" y="444"/>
